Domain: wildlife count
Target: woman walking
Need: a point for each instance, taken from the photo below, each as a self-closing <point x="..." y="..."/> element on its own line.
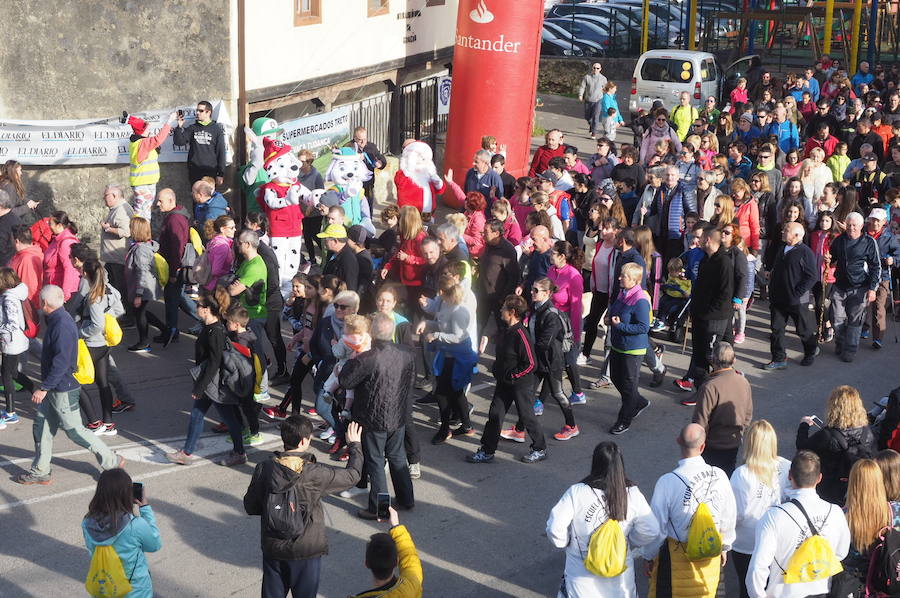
<point x="141" y="284"/>
<point x="605" y="493"/>
<point x="565" y="273"/>
<point x="220" y="253"/>
<point x="110" y="521"/>
<point x="58" y="267"/>
<point x="208" y="355"/>
<point x="13" y="341"/>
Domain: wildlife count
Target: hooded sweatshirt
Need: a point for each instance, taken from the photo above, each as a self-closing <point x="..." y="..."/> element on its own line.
<point x="206" y="146"/>
<point x="12" y="320"/>
<point x="131" y="537"/>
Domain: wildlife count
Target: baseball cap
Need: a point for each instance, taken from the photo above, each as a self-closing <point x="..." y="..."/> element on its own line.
<point x="357" y="234"/>
<point x="870" y="157"/>
<point x="333" y="231"/>
<point x="549" y="175"/>
<point x="878" y="214"/>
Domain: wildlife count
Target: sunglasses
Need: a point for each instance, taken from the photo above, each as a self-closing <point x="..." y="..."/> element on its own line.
<point x="718" y="205"/>
<point x="765" y="156"/>
<point x="341" y="306"/>
<point x="201" y="110"/>
<point x="535" y="290"/>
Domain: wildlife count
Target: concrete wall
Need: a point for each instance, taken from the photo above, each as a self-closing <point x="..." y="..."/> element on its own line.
<point x="94" y="58"/>
<point x="562" y="76"/>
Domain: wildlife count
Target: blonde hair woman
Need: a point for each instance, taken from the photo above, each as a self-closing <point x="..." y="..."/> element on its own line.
<point x="868" y="513"/>
<point x="889" y="462"/>
<point x="845" y="439"/>
<point x="758" y="484"/>
<point x="723" y="211"/>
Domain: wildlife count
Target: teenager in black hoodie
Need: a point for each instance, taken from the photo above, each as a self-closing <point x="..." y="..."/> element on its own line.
<point x="206" y="145"/>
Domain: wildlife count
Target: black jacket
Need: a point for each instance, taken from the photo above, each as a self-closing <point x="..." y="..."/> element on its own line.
<point x="365" y="273"/>
<point x="872" y="138"/>
<point x="343" y="264"/>
<point x="714" y="288"/>
<point x="499" y="273"/>
<point x="547" y="329"/>
<point x="370" y="153"/>
<point x="274" y="300"/>
<point x="515" y="362"/>
<point x="430" y="277"/>
<point x="7" y="248"/>
<point x="838" y="450"/>
<point x="739" y="260"/>
<point x="793" y="276"/>
<point x="380" y="379"/>
<point x="315" y="480"/>
<point x="208" y="350"/>
<point x="206" y="146"/>
<point x="857" y="262"/>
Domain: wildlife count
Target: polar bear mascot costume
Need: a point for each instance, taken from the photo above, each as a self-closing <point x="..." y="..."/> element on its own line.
<point x="417" y="181"/>
<point x="344" y="187"/>
<point x="281" y="200"/>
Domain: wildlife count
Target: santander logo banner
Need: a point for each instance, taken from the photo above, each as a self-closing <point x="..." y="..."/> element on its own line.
<point x="486" y="39"/>
<point x="481" y="14"/>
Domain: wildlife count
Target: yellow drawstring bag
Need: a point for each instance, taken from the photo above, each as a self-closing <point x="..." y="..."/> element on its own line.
<point x="106" y="576"/>
<point x="84" y="366"/>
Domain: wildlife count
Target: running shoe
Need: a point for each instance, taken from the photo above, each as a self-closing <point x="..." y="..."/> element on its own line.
<point x="415" y="471"/>
<point x="567" y="433"/>
<point x="513" y="434"/>
<point x="480" y="457"/>
<point x="106" y="430"/>
<point x="252" y="439"/>
<point x="685" y="384"/>
<point x="534" y="457"/>
<point x="9" y="418"/>
<point x="538" y="407"/>
<point x="275" y="413"/>
<point x="739" y="338"/>
<point x="577" y="398"/>
<point x="231" y="459"/>
<point x="122" y="406"/>
<point x="601" y="383"/>
<point x="327" y="434"/>
<point x="581" y="360"/>
<point x="179" y="457"/>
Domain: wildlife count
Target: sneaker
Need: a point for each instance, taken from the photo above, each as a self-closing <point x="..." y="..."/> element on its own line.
<point x="9" y="418"/>
<point x="538" y="407"/>
<point x="261" y="397"/>
<point x="865" y="333"/>
<point x="577" y="398"/>
<point x="232" y="459"/>
<point x="427" y="399"/>
<point x="94" y="426"/>
<point x="334" y="448"/>
<point x="685" y="384"/>
<point x="480" y="457"/>
<point x="351" y="492"/>
<point x="106" y="430"/>
<point x="252" y="439"/>
<point x="327" y="434"/>
<point x="415" y="471"/>
<point x="275" y="413"/>
<point x="829" y="335"/>
<point x="29" y="479"/>
<point x="739" y="338"/>
<point x="810" y="359"/>
<point x="312" y="412"/>
<point x="122" y="406"/>
<point x="461" y="431"/>
<point x="690" y="402"/>
<point x="513" y="434"/>
<point x="138" y="348"/>
<point x="441" y="437"/>
<point x="601" y="383"/>
<point x="567" y="433"/>
<point x="876" y="345"/>
<point x="641" y="410"/>
<point x="659" y="377"/>
<point x="580" y="360"/>
<point x="775" y="365"/>
<point x="659" y="350"/>
<point x="179" y="457"/>
<point x="619" y="428"/>
<point x="220" y="428"/>
<point x="534" y="457"/>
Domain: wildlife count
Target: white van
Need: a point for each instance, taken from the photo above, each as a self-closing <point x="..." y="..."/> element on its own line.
<point x="664" y="74"/>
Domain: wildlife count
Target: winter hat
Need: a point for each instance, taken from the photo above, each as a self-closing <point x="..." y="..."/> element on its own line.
<point x="357" y="234"/>
<point x="137" y="125"/>
<point x="272" y="149"/>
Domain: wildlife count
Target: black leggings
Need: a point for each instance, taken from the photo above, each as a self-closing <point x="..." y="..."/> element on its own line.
<point x="9" y="373"/>
<point x="551" y="384"/>
<point x="100" y="357"/>
<point x="250" y="409"/>
<point x="143" y="318"/>
<point x="448" y="398"/>
<point x="273" y="332"/>
<point x="294" y="393"/>
<point x="599" y="303"/>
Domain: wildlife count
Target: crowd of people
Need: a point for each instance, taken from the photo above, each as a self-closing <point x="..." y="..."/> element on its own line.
<point x="683" y="229"/>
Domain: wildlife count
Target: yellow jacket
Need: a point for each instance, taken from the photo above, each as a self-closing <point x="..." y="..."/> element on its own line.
<point x="409" y="583"/>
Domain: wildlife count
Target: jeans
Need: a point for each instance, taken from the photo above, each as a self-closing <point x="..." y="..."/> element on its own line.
<point x="300" y="578"/>
<point x="804" y="324"/>
<point x="60" y="410"/>
<point x="258" y="326"/>
<point x="381" y="446"/>
<point x="173" y="295"/>
<point x="848" y="309"/>
<point x="229" y="416"/>
<point x="504" y="396"/>
<point x="724" y="459"/>
<point x="624" y="371"/>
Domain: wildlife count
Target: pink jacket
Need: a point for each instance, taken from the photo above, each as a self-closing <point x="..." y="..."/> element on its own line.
<point x="568" y="298"/>
<point x="58" y="268"/>
<point x="511" y="230"/>
<point x="473" y="234"/>
<point x="737" y="95"/>
<point x="221" y="258"/>
<point x="521" y="211"/>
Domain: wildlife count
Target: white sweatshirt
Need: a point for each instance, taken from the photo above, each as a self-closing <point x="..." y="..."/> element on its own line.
<point x="579" y="512"/>
<point x="753" y="499"/>
<point x="780" y="533"/>
<point x="674" y="502"/>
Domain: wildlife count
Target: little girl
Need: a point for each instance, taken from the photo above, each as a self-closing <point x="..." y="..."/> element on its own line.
<point x="355" y="340"/>
<point x="839" y="161"/>
<point x="744" y="294"/>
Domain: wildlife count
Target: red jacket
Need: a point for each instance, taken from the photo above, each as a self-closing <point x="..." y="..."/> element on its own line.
<point x="41" y="233"/>
<point x="827" y="145"/>
<point x="748" y="217"/>
<point x="409" y="193"/>
<point x="411" y="270"/>
<point x="541" y="160"/>
<point x="283" y="222"/>
<point x="28" y="265"/>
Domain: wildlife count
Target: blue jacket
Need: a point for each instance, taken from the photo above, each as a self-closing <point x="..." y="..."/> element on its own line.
<point x="630" y="335"/>
<point x="859" y="78"/>
<point x="691" y="260"/>
<point x="131" y="538"/>
<point x="788" y="136"/>
<point x="888" y="246"/>
<point x="483" y="186"/>
<point x="215" y="207"/>
<point x="465" y="360"/>
<point x="60" y="352"/>
<point x="742" y="170"/>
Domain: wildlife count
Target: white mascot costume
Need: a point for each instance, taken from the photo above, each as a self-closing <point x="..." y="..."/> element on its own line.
<point x="417" y="181"/>
<point x="346" y="175"/>
<point x="280" y="199"/>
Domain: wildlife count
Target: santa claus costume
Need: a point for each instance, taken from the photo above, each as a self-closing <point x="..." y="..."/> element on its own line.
<point x="418" y="184"/>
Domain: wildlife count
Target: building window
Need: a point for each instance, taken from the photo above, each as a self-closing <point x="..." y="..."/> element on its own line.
<point x="378" y="7"/>
<point x="307" y="12"/>
<point x="435" y="2"/>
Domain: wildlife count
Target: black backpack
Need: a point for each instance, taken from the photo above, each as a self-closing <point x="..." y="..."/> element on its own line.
<point x="286" y="516"/>
<point x="884" y="564"/>
<point x="568" y="336"/>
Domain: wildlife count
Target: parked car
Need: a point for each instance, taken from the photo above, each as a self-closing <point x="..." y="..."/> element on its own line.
<point x="553" y="46"/>
<point x="593" y="31"/>
<point x="628" y="14"/>
<point x="588" y="47"/>
<point x="664" y="74"/>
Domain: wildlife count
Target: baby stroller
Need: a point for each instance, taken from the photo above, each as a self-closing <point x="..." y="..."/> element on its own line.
<point x="678" y="323"/>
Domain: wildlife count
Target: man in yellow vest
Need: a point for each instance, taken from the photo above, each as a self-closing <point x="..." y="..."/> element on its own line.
<point x="144" y="159"/>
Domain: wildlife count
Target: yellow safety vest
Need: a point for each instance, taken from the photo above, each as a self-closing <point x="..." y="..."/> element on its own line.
<point x="146" y="172"/>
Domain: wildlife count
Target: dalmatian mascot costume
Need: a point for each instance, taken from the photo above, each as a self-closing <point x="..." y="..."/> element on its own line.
<point x="417" y="181"/>
<point x="344" y="187"/>
<point x="281" y="200"/>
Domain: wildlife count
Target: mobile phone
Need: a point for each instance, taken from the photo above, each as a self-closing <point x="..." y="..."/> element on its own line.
<point x="383" y="503"/>
<point x="180" y="113"/>
<point x="817" y="421"/>
<point x="137" y="489"/>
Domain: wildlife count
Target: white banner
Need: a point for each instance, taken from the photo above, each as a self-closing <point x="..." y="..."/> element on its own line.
<point x="444" y="86"/>
<point x="318" y="133"/>
<point x="99" y="141"/>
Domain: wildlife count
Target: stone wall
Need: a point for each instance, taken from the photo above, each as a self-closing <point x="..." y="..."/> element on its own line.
<point x="95" y="58"/>
<point x="562" y="76"/>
